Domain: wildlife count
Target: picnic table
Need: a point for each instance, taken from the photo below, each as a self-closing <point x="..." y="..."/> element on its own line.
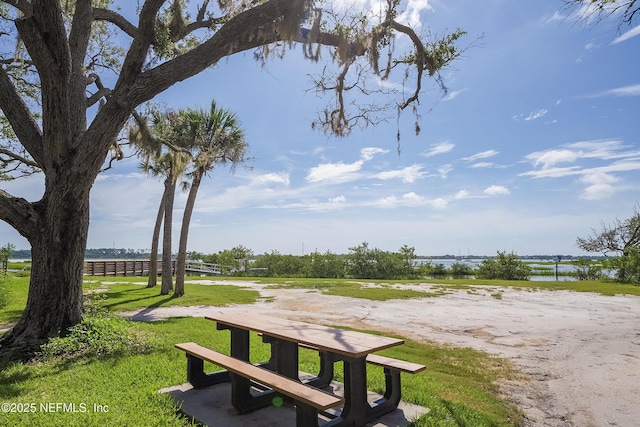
<point x="354" y="349"/>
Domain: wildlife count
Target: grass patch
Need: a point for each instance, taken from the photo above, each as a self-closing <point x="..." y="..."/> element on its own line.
<point x="131" y="296"/>
<point x="374" y="290"/>
<point x="378" y="294"/>
<point x="497" y="295"/>
<point x="17" y="289"/>
<point x="458" y="386"/>
<point x="602" y="287"/>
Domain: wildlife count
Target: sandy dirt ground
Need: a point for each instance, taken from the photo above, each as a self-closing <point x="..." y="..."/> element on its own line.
<point x="579" y="352"/>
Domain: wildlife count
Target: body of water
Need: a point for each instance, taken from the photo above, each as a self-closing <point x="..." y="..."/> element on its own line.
<point x="563" y="269"/>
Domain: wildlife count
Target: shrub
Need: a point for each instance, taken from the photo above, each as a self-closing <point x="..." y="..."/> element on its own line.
<point x="461" y="269"/>
<point x="626" y="266"/>
<point x="101" y="333"/>
<point x="505" y="267"/>
<point x="585" y="269"/>
<point x="438" y="270"/>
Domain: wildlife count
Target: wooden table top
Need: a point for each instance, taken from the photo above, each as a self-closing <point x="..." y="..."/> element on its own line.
<point x="340" y="341"/>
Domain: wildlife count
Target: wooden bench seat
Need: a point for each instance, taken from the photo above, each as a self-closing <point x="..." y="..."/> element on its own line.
<point x="385" y="362"/>
<point x="391" y="363"/>
<point x="308" y="400"/>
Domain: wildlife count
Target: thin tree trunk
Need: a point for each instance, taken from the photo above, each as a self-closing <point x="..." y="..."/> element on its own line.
<point x="167" y="273"/>
<point x="153" y="265"/>
<point x="184" y="233"/>
<point x="54" y="302"/>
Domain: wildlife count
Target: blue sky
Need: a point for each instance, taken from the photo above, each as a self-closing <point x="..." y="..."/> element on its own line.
<point x="535" y="144"/>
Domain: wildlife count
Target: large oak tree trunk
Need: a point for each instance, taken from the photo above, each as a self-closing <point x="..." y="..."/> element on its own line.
<point x="57" y="248"/>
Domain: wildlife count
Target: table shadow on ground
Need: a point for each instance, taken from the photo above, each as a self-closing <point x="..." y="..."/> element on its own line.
<point x="211" y="406"/>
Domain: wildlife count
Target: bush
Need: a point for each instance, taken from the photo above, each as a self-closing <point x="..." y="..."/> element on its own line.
<point x="461" y="269"/>
<point x="438" y="270"/>
<point x="627" y="266"/>
<point x="505" y="267"/>
<point x="585" y="269"/>
<point x="101" y="333"/>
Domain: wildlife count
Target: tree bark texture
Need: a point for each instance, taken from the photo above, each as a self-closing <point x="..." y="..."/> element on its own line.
<point x="184" y="233"/>
<point x="167" y="268"/>
<point x="153" y="264"/>
<point x="58" y="244"/>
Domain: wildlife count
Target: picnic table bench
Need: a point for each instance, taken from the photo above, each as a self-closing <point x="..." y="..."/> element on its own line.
<point x="308" y="400"/>
<point x="280" y="374"/>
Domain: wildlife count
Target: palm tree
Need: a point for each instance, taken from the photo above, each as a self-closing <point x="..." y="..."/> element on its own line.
<point x="155" y="169"/>
<point x="171" y="165"/>
<point x="216" y="138"/>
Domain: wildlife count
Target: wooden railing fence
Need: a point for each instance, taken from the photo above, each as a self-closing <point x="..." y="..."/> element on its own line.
<point x="141" y="268"/>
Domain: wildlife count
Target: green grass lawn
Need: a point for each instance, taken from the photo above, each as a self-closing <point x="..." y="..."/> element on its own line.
<point x="131" y="296"/>
<point x="459" y="385"/>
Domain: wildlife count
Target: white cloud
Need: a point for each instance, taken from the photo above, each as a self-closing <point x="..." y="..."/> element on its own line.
<point x="570" y="153"/>
<point x="408" y="174"/>
<point x="481" y="155"/>
<point x="598" y="180"/>
<point x="486" y="165"/>
<point x="368" y="153"/>
<point x="553" y="172"/>
<point x="497" y="190"/>
<point x="333" y="203"/>
<point x="556" y="17"/>
<point x="334" y="172"/>
<point x="408" y="199"/>
<point x="600" y="186"/>
<point x="440" y="148"/>
<point x="601" y="149"/>
<point x="439" y="203"/>
<point x="534" y="115"/>
<point x="387" y="202"/>
<point x="626" y="36"/>
<point x="271" y="178"/>
<point x="552" y="157"/>
<point x="411" y="199"/>
<point x="462" y="194"/>
<point x="313" y="205"/>
<point x="444" y="170"/>
<point x="630" y="90"/>
<point x="411" y="16"/>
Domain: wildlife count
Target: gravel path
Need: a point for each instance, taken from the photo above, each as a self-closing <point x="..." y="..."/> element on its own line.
<point x="580" y="351"/>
